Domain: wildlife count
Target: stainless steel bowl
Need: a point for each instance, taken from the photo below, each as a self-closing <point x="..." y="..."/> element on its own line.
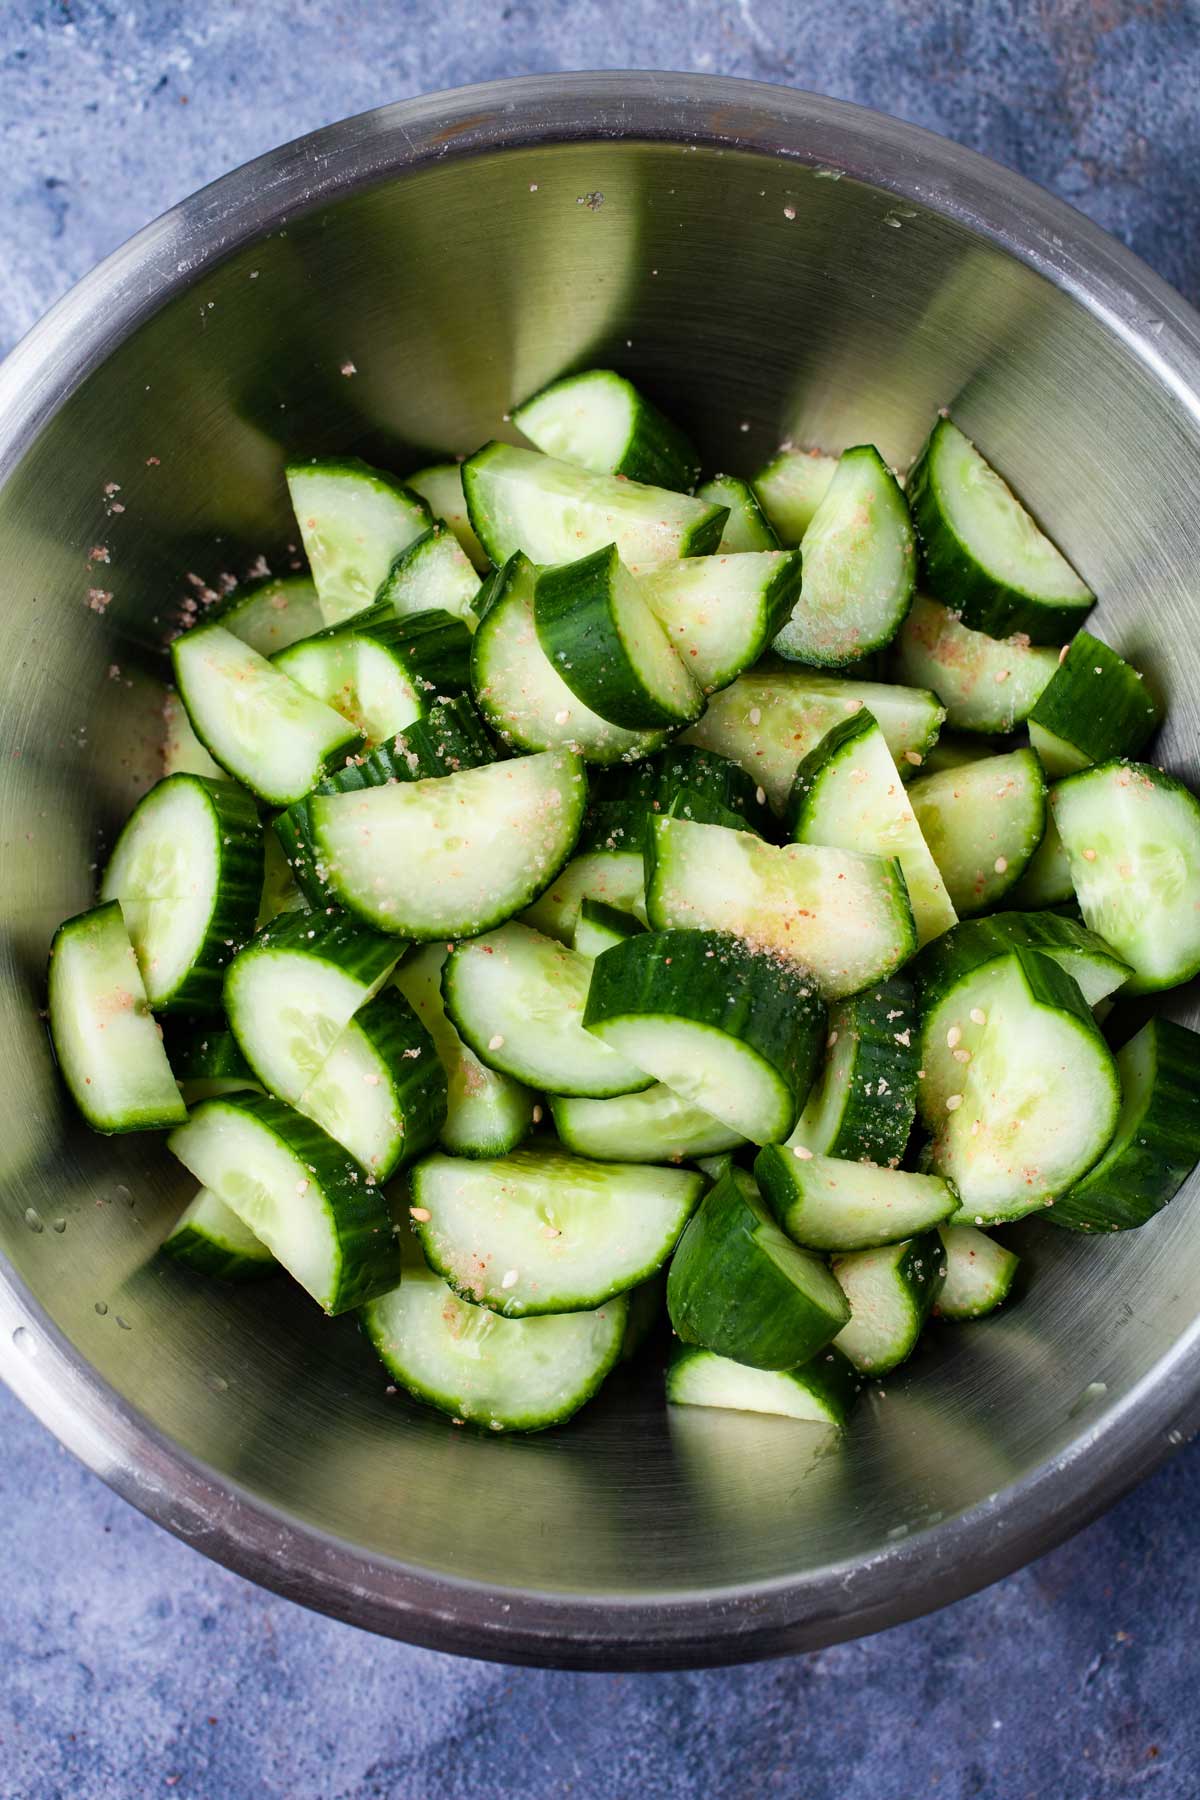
<point x="769" y="263"/>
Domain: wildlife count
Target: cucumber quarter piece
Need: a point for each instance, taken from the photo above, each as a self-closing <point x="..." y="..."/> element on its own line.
<point x="738" y="1286"/>
<point x="599" y="421"/>
<point x="979" y="1272"/>
<point x="543" y="1232"/>
<point x="891" y="1291"/>
<point x="1157" y="1141"/>
<point x="848" y="795"/>
<point x="434" y="572"/>
<point x="298" y="1192"/>
<point x="721" y="612"/>
<point x="1094" y="707"/>
<point x="656" y="1125"/>
<point x="454" y="856"/>
<point x="603" y="639"/>
<point x="599" y="927"/>
<point x="469" y="1362"/>
<point x="768" y="721"/>
<point x="862" y="1105"/>
<point x="381" y="1091"/>
<point x="440" y="486"/>
<point x="183" y="753"/>
<point x="294" y="988"/>
<point x="981" y="552"/>
<point x="1037" y="1102"/>
<point x="825" y="1204"/>
<point x="273" y="613"/>
<point x="554" y="512"/>
<point x="380" y="671"/>
<point x="209" y="1237"/>
<point x="983" y="822"/>
<point x="820" y="1392"/>
<point x="259" y="725"/>
<point x="736" y="1033"/>
<point x="107" y="1044"/>
<point x="859" y="567"/>
<point x="845" y="917"/>
<point x="518" y="688"/>
<point x="614" y="878"/>
<point x="954" y="977"/>
<point x="1132" y="837"/>
<point x="792" y="487"/>
<point x="747" y="527"/>
<point x="188" y="871"/>
<point x="354" y="521"/>
<point x="986" y="684"/>
<point x="487" y="1113"/>
<point x="517" y="998"/>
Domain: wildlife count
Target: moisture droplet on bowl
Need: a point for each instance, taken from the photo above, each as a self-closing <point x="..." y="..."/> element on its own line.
<point x="24" y="1340"/>
<point x="32" y="1220"/>
<point x="101" y="1307"/>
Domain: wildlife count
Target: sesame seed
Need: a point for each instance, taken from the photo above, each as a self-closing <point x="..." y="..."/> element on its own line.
<point x="537" y="1115"/>
<point x="978" y="1016"/>
<point x="755" y="715"/>
<point x="496" y="1042"/>
<point x="760" y="794"/>
<point x="1090" y="855"/>
<point x="914" y="757"/>
<point x="421" y="1214"/>
<point x="510" y="1278"/>
<point x="1062" y="655"/>
<point x="953" y="1036"/>
<point x="953" y="1102"/>
<point x="962" y="1056"/>
<point x="800" y="1151"/>
<point x="1000" y="864"/>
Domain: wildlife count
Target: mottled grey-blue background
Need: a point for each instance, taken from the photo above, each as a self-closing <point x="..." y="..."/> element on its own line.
<point x="130" y="1666"/>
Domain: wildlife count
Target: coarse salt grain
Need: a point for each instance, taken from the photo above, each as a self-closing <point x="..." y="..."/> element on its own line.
<point x="789" y="212"/>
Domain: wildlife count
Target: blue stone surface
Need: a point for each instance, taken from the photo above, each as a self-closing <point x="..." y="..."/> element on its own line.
<point x="129" y="1665"/>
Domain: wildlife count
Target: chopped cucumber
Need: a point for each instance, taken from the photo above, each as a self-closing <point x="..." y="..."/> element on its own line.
<point x="822" y="1391"/>
<point x="543" y="1232"/>
<point x="859" y="563"/>
<point x="298" y="1192"/>
<point x="433" y="573"/>
<point x="108" y="1046"/>
<point x="983" y="822"/>
<point x="205" y="1057"/>
<point x="615" y="878"/>
<point x="487" y="1114"/>
<point x="826" y="1204"/>
<point x="986" y="684"/>
<point x="354" y="521"/>
<point x="1094" y="707"/>
<point x="656" y="1125"/>
<point x="599" y="927"/>
<point x="1047" y="877"/>
<point x="979" y="1272"/>
<point x="890" y="1291"/>
<point x="440" y="486"/>
<point x="845" y="917"/>
<point x="517" y="998"/>
<point x="952" y="752"/>
<point x="379" y="671"/>
<point x="1037" y="1101"/>
<point x="519" y="690"/>
<point x="454" y="856"/>
<point x="722" y="612"/>
<point x="736" y="1033"/>
<point x="209" y="1237"/>
<point x="599" y="421"/>
<point x="554" y="512"/>
<point x="1132" y="837"/>
<point x="747" y="527"/>
<point x="1156" y="1144"/>
<point x="792" y="487"/>
<point x="686" y="782"/>
<point x="188" y="871"/>
<point x="273" y="613"/>
<point x="861" y="1107"/>
<point x="469" y="1362"/>
<point x="768" y="722"/>
<point x="608" y="646"/>
<point x="183" y="753"/>
<point x="738" y="1286"/>
<point x="381" y="1091"/>
<point x="848" y="795"/>
<point x="981" y="552"/>
<point x="258" y="724"/>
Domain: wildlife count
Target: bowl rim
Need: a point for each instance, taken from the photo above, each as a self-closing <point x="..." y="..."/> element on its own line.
<point x="1122" y="1441"/>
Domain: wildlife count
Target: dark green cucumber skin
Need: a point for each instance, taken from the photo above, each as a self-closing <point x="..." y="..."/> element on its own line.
<point x="712" y="978"/>
<point x="204" y="1050"/>
<point x="807" y="782"/>
<point x="195" y="1251"/>
<point x="434" y="646"/>
<point x="1155" y="1148"/>
<point x="658" y="453"/>
<point x="239" y="833"/>
<point x="647" y="1306"/>
<point x="831" y="1376"/>
<point x="610" y="918"/>
<point x="415" y="1070"/>
<point x="725" y="1294"/>
<point x="876" y="1124"/>
<point x="450" y="737"/>
<point x="951" y="575"/>
<point x="748" y="525"/>
<point x="971" y="943"/>
<point x="368" y="1252"/>
<point x="1096" y="702"/>
<point x="695" y="784"/>
<point x="922" y="1269"/>
<point x="573" y="615"/>
<point x="329" y="937"/>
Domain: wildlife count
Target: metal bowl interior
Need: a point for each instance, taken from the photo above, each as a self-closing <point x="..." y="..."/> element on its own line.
<point x="769" y="264"/>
